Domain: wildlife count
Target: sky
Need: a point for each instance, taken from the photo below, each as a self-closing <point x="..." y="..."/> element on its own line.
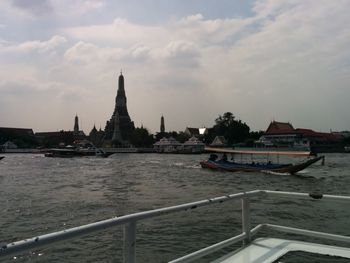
<point x="188" y="60"/>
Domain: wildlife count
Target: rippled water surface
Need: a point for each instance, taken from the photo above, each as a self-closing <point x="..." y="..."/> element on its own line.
<point x="41" y="195"/>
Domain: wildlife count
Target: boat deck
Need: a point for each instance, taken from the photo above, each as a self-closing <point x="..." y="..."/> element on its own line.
<point x="268" y="250"/>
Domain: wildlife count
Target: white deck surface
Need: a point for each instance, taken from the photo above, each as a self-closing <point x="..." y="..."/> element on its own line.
<point x="264" y="250"/>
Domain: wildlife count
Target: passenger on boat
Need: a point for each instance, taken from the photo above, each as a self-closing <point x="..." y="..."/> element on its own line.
<point x="224" y="157"/>
<point x="213" y="157"/>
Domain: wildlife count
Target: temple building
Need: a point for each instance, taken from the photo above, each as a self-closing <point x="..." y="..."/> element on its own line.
<point x="96" y="136"/>
<point x="78" y="134"/>
<point x="120" y="127"/>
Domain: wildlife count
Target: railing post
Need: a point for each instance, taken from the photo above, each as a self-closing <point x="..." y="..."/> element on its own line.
<point x="129" y="242"/>
<point x="246" y="219"/>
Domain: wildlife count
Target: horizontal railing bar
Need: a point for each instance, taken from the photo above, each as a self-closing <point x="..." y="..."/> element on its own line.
<point x="257" y="229"/>
<point x="213" y="248"/>
<point x="96" y="226"/>
<point x="306" y="195"/>
<point x="305" y="232"/>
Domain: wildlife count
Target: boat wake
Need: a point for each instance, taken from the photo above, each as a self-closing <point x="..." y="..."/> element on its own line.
<point x="274" y="173"/>
<point x="195" y="166"/>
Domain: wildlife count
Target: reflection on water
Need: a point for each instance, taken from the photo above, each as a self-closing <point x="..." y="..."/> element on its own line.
<point x="39" y="195"/>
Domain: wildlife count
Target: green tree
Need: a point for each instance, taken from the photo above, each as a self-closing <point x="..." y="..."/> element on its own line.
<point x="233" y="130"/>
<point x="182" y="137"/>
<point x="141" y="138"/>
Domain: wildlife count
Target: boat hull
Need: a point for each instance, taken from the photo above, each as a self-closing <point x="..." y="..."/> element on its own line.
<point x="239" y="167"/>
<point x="69" y="153"/>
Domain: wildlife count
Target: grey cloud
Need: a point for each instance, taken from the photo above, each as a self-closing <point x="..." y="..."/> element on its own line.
<point x="21" y="90"/>
<point x="34" y="7"/>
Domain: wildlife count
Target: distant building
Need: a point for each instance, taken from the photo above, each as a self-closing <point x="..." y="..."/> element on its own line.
<point x="171" y="145"/>
<point x="198" y="132"/>
<point x="219" y="141"/>
<point x="192" y="132"/>
<point x="76" y="125"/>
<point x="120" y="127"/>
<point x="343" y="134"/>
<point x="55" y="139"/>
<point x="193" y="145"/>
<point x="78" y="134"/>
<point x="96" y="136"/>
<point x="282" y="134"/>
<point x="22" y="137"/>
<point x="162" y="125"/>
<point x="5" y="131"/>
<point x="62" y="138"/>
<point x="168" y="145"/>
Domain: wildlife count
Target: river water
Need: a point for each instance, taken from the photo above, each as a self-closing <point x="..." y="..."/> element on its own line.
<point x="41" y="195"/>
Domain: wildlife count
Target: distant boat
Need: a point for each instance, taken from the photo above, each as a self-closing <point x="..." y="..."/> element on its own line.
<point x="2" y="157"/>
<point x="232" y="166"/>
<point x="75" y="152"/>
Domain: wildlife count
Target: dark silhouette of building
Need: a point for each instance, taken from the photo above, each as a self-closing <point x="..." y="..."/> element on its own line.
<point x="55" y="139"/>
<point x="76" y="125"/>
<point x="22" y="137"/>
<point x="162" y="126"/>
<point x="61" y="138"/>
<point x="119" y="128"/>
<point x="96" y="136"/>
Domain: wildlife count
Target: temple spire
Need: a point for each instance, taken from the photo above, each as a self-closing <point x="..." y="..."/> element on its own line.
<point x="120" y="127"/>
<point x="162" y="125"/>
<point x="76" y="125"/>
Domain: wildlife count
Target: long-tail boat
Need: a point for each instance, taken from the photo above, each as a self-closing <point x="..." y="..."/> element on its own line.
<point x="223" y="164"/>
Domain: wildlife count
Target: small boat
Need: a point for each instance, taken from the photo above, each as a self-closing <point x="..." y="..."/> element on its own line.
<point x="232" y="166"/>
<point x="2" y="157"/>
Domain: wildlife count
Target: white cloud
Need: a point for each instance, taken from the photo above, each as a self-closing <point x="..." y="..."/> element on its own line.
<point x="39" y="46"/>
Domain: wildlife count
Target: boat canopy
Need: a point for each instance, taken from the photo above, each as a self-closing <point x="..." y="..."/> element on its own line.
<point x="289" y="153"/>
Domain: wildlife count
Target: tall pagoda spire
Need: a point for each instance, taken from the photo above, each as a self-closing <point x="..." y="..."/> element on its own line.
<point x="120" y="100"/>
<point x="76" y="124"/>
<point x="124" y="127"/>
<point x="162" y="126"/>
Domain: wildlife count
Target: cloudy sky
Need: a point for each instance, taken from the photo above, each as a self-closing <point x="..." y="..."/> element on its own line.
<point x="190" y="60"/>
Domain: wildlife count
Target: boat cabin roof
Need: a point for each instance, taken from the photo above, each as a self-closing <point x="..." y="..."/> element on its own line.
<point x="231" y="151"/>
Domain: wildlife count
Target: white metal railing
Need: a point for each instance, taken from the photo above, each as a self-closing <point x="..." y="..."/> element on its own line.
<point x="130" y="223"/>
